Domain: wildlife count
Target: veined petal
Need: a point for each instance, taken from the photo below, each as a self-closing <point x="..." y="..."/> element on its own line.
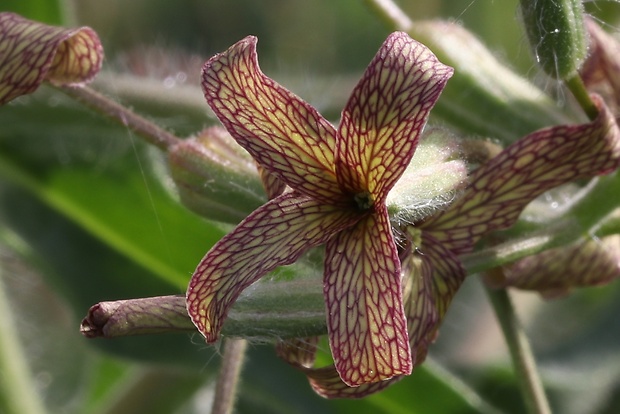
<point x="601" y="68"/>
<point x="299" y="352"/>
<point x="432" y="275"/>
<point x="385" y="115"/>
<point x="365" y="315"/>
<point x="273" y="185"/>
<point x="275" y="234"/>
<point x="556" y="271"/>
<point x="545" y="159"/>
<point x="325" y="381"/>
<point x="284" y="134"/>
<point x="31" y="52"/>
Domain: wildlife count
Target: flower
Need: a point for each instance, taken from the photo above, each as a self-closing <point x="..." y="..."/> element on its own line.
<point x="339" y="181"/>
<point x="555" y="272"/>
<point x="593" y="259"/>
<point x="386" y="295"/>
<point x="497" y="193"/>
<point x="31" y="52"/>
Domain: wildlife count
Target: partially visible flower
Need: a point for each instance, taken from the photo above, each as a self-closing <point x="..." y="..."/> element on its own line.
<point x="339" y="181"/>
<point x="31" y="52"/>
<point x="545" y="159"/>
<point x="590" y="261"/>
<point x="556" y="272"/>
<point x="601" y="68"/>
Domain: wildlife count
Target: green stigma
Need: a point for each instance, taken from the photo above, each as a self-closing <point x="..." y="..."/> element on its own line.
<point x="364" y="201"/>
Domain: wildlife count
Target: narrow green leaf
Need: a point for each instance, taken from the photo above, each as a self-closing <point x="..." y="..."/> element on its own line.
<point x="46" y="11"/>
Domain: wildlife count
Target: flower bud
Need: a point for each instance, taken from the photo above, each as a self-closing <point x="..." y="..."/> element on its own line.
<point x="431" y="179"/>
<point x="159" y="314"/>
<point x="556" y="32"/>
<point x="556" y="272"/>
<point x="270" y="308"/>
<point x="215" y="177"/>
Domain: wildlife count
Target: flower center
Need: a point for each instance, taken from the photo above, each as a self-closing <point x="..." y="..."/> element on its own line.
<point x="364" y="201"/>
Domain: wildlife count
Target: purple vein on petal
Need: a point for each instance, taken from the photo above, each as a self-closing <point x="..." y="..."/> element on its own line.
<point x="386" y="113"/>
<point x="284" y="134"/>
<point x="366" y="321"/>
<point x="545" y="159"/>
<point x="276" y="234"/>
<point x="31" y="52"/>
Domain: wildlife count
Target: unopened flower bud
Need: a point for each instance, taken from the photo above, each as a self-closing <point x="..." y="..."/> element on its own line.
<point x="556" y="32"/>
<point x="215" y="177"/>
<point x="431" y="179"/>
<point x="556" y="271"/>
<point x="136" y="317"/>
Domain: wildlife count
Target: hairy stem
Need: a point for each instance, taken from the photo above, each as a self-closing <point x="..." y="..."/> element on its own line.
<point x="18" y="393"/>
<point x="152" y="133"/>
<point x="227" y="381"/>
<point x="578" y="89"/>
<point x="520" y="351"/>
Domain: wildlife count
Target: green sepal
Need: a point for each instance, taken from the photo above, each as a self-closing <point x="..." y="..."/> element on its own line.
<point x="556" y="33"/>
<point x="215" y="178"/>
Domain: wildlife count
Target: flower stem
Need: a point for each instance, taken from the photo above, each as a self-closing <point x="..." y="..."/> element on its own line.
<point x="148" y="130"/>
<point x="391" y="14"/>
<point x="227" y="381"/>
<point x="18" y="391"/>
<point x="520" y="351"/>
<point x="578" y="89"/>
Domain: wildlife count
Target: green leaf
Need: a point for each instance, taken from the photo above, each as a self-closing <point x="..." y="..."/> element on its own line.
<point x="82" y="193"/>
<point x="46" y="11"/>
<point x="102" y="180"/>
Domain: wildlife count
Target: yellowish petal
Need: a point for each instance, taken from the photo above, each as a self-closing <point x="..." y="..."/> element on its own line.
<point x="500" y="189"/>
<point x="385" y="115"/>
<point x="284" y="134"/>
<point x="276" y="234"/>
<point x="32" y="52"/>
<point x="365" y="315"/>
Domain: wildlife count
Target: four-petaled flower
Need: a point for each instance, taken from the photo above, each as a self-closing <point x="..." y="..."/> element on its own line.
<point x="338" y="183"/>
<point x="494" y="198"/>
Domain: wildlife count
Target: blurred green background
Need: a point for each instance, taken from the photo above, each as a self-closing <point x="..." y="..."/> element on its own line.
<point x="86" y="216"/>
